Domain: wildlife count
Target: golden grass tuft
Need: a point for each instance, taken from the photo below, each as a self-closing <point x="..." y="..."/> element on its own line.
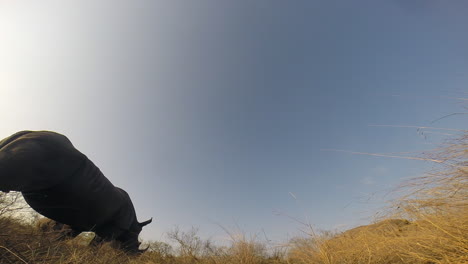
<point x="427" y="225"/>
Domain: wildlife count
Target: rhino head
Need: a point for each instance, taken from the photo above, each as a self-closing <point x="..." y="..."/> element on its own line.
<point x="124" y="227"/>
<point x="129" y="238"/>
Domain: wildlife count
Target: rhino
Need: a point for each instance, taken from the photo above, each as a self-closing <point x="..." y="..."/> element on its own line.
<point x="61" y="183"/>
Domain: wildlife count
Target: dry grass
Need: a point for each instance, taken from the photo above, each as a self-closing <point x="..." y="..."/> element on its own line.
<point x="25" y="243"/>
<point x="436" y="231"/>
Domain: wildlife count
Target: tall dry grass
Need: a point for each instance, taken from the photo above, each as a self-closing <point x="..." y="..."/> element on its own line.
<point x="26" y="243"/>
<point x="429" y="224"/>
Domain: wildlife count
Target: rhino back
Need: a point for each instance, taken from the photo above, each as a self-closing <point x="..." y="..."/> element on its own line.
<point x="33" y="160"/>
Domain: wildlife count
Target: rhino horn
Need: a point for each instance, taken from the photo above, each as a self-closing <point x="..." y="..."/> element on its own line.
<point x="141" y="251"/>
<point x="142" y="224"/>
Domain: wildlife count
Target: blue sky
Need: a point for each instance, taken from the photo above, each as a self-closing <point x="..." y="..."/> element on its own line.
<point x="218" y="112"/>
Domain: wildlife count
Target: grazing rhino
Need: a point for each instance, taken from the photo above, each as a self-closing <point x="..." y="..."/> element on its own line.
<point x="61" y="183"/>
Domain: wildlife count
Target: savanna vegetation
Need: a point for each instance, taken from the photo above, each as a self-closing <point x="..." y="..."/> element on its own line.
<point x="428" y="224"/>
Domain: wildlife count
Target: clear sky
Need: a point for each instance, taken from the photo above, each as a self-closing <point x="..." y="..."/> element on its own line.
<point x="217" y="112"/>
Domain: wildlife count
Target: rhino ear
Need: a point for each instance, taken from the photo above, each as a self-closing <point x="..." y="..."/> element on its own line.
<point x="142" y="224"/>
